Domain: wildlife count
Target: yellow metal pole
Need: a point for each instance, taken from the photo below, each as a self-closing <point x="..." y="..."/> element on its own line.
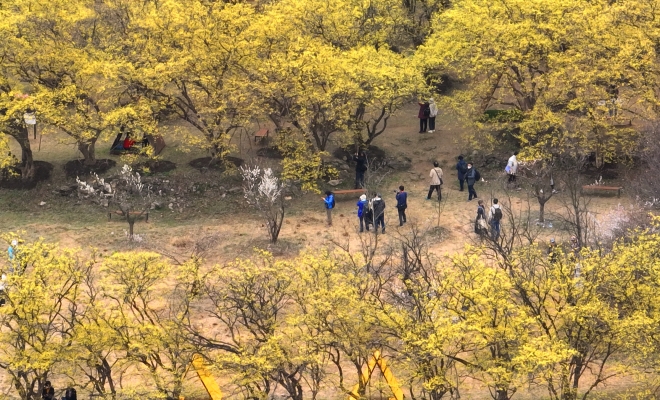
<point x="381" y="363"/>
<point x="205" y="376"/>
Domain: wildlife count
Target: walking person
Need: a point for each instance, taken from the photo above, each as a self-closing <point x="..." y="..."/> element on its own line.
<point x="329" y="201"/>
<point x="378" y="206"/>
<point x="401" y="204"/>
<point x="480" y="225"/>
<point x="360" y="168"/>
<point x="436" y="181"/>
<point x="512" y="167"/>
<point x="471" y="177"/>
<point x="433" y="112"/>
<point x="361" y="205"/>
<point x="423" y="115"/>
<point x="495" y="216"/>
<point x="461" y="168"/>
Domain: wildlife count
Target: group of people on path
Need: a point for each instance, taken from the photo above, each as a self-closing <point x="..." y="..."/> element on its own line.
<point x="372" y="212"/>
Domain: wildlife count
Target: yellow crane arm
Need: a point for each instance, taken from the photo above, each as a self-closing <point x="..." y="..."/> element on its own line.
<point x="205" y="376"/>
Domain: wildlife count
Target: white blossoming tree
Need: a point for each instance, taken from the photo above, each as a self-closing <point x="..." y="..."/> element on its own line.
<point x="264" y="192"/>
<point x="128" y="193"/>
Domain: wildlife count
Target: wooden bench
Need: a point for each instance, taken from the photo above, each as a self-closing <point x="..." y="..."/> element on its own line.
<point x="350" y="191"/>
<point x="616" y="189"/>
<point x="262" y="134"/>
<point x="138" y="213"/>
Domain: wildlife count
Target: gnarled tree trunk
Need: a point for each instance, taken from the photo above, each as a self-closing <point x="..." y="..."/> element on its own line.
<point x="20" y="133"/>
<point x="88" y="150"/>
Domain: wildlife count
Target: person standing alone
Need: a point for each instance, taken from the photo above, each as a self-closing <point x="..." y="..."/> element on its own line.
<point x="495" y="217"/>
<point x="461" y="168"/>
<point x="360" y="168"/>
<point x="329" y="201"/>
<point x="423" y="115"/>
<point x="436" y="181"/>
<point x="433" y="112"/>
<point x="512" y="167"/>
<point x="378" y="205"/>
<point x="401" y="205"/>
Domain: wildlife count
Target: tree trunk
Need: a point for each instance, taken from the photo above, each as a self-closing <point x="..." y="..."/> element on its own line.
<point x="131" y="223"/>
<point x="88" y="150"/>
<point x="541" y="211"/>
<point x="27" y="161"/>
<point x="502" y="394"/>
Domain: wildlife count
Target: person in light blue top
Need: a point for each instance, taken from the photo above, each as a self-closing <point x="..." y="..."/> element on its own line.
<point x="361" y="204"/>
<point x="11" y="253"/>
<point x="329" y="200"/>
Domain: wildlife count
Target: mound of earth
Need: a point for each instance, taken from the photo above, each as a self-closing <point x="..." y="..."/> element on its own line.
<point x="76" y="168"/>
<point x="155" y="167"/>
<point x="270" y="152"/>
<point x="374" y="154"/>
<point x="13" y="180"/>
<point x="206" y="163"/>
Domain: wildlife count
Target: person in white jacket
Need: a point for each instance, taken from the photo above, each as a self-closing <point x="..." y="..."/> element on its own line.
<point x="433" y="112"/>
<point x="512" y="167"/>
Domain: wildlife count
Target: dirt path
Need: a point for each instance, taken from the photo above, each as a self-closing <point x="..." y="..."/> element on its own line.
<point x="238" y="230"/>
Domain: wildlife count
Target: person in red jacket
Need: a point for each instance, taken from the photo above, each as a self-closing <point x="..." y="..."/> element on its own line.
<point x="128" y="143"/>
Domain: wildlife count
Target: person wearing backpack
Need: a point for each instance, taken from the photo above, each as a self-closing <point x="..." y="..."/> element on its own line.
<point x="461" y="168"/>
<point x="423" y="115"/>
<point x="329" y="200"/>
<point x="495" y="217"/>
<point x="471" y="177"/>
<point x="362" y="205"/>
<point x="433" y="112"/>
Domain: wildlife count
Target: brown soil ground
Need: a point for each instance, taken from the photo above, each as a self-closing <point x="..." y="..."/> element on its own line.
<point x="74" y="223"/>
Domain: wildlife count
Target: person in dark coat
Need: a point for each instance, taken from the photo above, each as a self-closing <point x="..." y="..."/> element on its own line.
<point x="378" y="206"/>
<point x="360" y="168"/>
<point x="70" y="394"/>
<point x="423" y="115"/>
<point x="401" y="205"/>
<point x="471" y="179"/>
<point x="461" y="168"/>
<point x="48" y="392"/>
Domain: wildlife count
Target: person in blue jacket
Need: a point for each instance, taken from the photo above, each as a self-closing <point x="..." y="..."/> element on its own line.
<point x="461" y="167"/>
<point x="361" y="205"/>
<point x="329" y="200"/>
<point x="401" y="205"/>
